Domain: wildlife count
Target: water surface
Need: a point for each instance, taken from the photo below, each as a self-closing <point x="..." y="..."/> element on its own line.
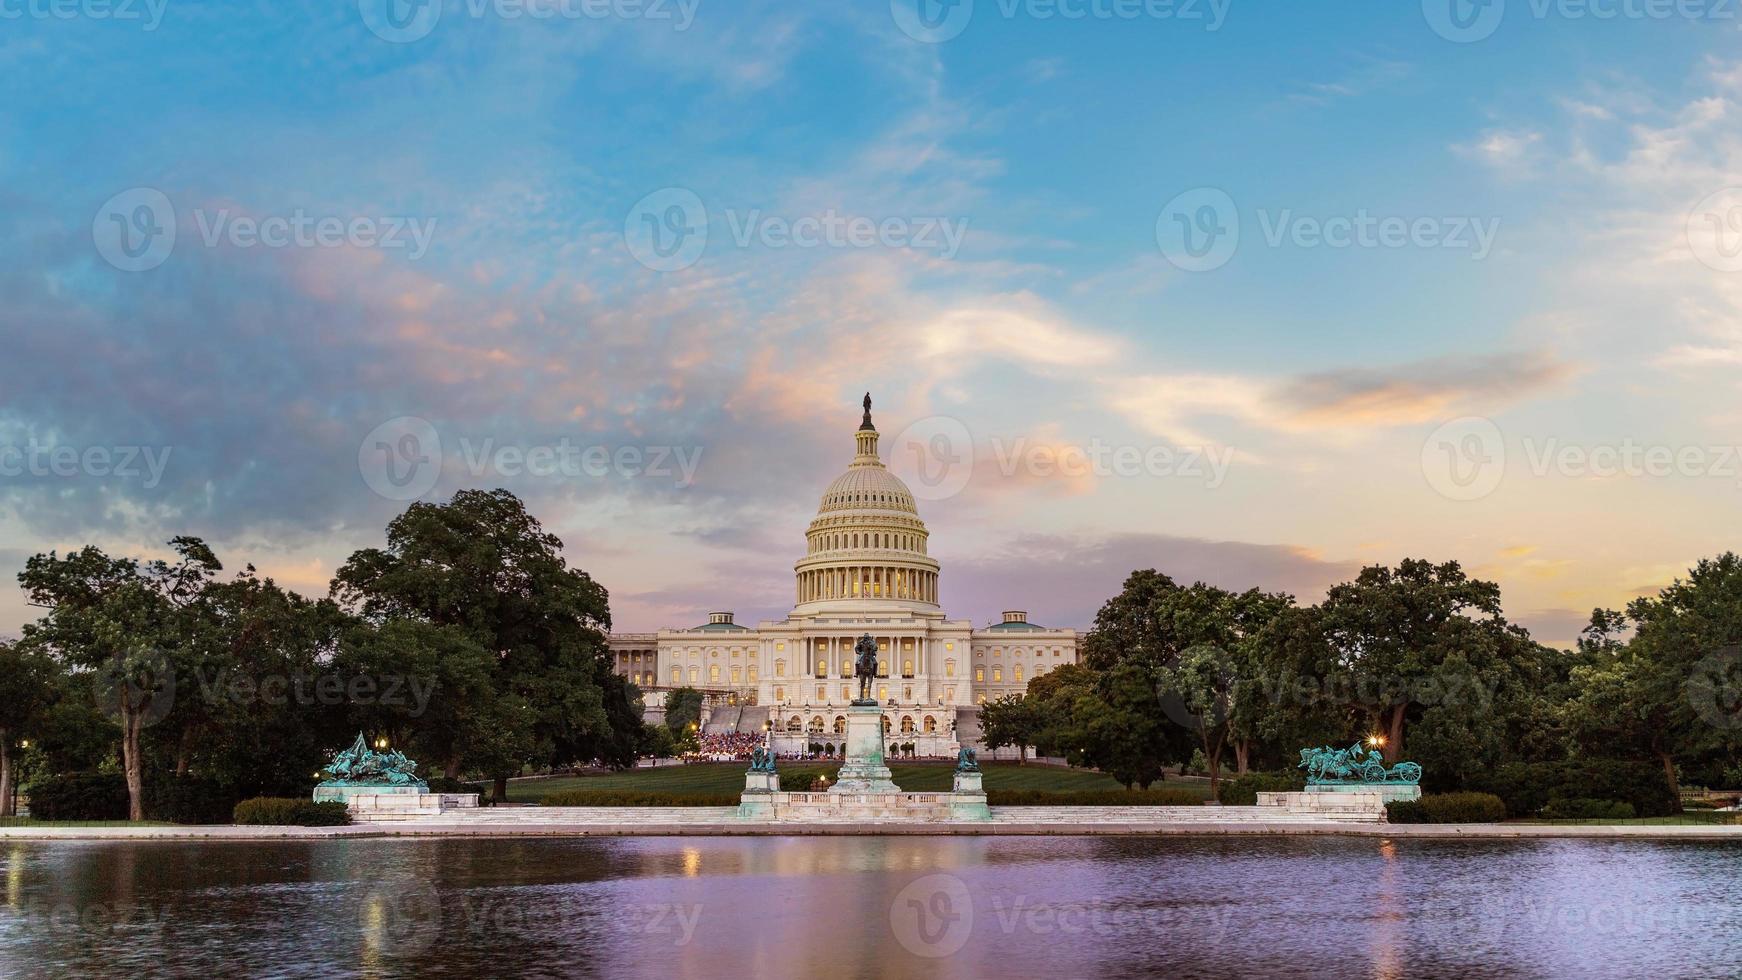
<point x="724" y="908"/>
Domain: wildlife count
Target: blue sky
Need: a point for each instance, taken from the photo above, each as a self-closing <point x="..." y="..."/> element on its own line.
<point x="489" y="183"/>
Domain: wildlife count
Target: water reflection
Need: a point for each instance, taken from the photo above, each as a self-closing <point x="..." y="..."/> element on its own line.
<point x="870" y="907"/>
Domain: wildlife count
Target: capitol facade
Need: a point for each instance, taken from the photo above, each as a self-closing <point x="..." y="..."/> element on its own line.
<point x="866" y="569"/>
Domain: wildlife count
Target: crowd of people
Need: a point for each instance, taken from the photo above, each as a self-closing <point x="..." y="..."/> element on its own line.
<point x="728" y="746"/>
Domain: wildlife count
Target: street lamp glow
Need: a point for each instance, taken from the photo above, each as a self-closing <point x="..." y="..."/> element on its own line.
<point x="1375" y="741"/>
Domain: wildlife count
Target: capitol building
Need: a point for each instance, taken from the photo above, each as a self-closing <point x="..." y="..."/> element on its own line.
<point x="866" y="568"/>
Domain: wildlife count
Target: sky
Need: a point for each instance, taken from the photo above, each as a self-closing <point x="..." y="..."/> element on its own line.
<point x="1254" y="294"/>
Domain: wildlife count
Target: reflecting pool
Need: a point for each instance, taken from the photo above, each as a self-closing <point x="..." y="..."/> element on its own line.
<point x="722" y="908"/>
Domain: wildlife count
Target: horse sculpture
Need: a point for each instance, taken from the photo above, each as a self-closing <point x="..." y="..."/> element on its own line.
<point x="865" y="667"/>
<point x="1355" y="764"/>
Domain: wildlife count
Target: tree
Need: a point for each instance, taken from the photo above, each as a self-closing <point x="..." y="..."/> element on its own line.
<point x="1011" y="720"/>
<point x="1397" y="643"/>
<point x="1670" y="693"/>
<point x="683" y="710"/>
<point x="483" y="565"/>
<point x="27" y="690"/>
<point x="129" y="625"/>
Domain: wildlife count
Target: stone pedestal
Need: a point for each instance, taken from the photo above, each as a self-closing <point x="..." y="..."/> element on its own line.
<point x="757" y="800"/>
<point x="968" y="801"/>
<point x="1388" y="792"/>
<point x="346" y="792"/>
<point x="864" y="770"/>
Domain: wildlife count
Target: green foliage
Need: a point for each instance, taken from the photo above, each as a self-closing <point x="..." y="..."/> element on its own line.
<point x="1106" y="797"/>
<point x="624" y="797"/>
<point x="79" y="796"/>
<point x="1588" y="809"/>
<point x="189" y="801"/>
<point x="1529" y="787"/>
<point x="1011" y="720"/>
<point x="481" y="566"/>
<point x="683" y="709"/>
<point x="274" y="811"/>
<point x="1244" y="790"/>
<point x="1447" y="808"/>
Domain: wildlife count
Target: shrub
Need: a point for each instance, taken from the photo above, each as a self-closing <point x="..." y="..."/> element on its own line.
<point x="1588" y="809"/>
<point x="1244" y="790"/>
<point x="1094" y="797"/>
<point x="80" y="796"/>
<point x="1527" y="787"/>
<point x="1447" y="808"/>
<point x="190" y="800"/>
<point x="630" y="797"/>
<point x="278" y="811"/>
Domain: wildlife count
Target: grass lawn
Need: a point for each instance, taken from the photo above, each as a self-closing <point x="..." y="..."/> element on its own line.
<point x="728" y="778"/>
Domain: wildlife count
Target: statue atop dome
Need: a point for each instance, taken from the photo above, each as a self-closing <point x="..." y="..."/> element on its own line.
<point x="866" y="423"/>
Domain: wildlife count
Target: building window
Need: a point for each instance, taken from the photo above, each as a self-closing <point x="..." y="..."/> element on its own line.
<point x="676" y="676"/>
<point x="1018" y="673"/>
<point x="882" y="667"/>
<point x="795" y="724"/>
<point x="713" y="673"/>
<point x="997" y="675"/>
<point x="840" y="725"/>
<point x="738" y="674"/>
<point x="883" y="694"/>
<point x="949" y="668"/>
<point x="846" y="693"/>
<point x="907" y="668"/>
<point x="906" y="725"/>
<point x="822" y="668"/>
<point x="780" y="668"/>
<point x="980" y="675"/>
<point x="780" y="694"/>
<point x="751" y="673"/>
<point x="931" y="725"/>
<point x="695" y="674"/>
